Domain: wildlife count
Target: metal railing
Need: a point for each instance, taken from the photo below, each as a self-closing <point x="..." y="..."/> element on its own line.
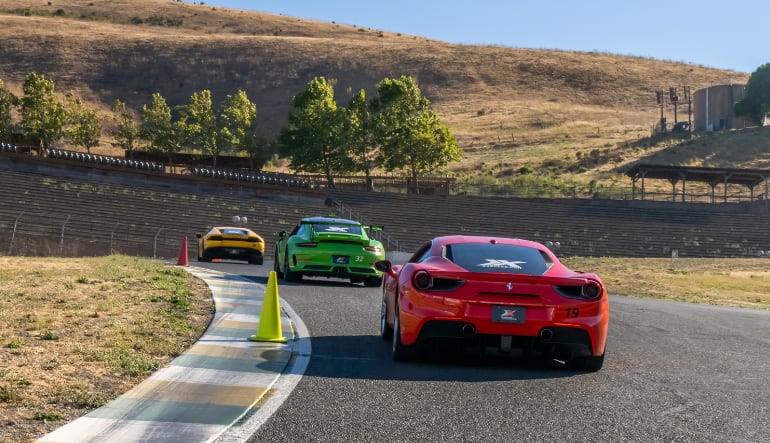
<point x="400" y="184"/>
<point x="389" y="242"/>
<point x="72" y="239"/>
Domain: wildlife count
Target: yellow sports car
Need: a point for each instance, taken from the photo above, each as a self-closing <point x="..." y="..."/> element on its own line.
<point x="228" y="242"/>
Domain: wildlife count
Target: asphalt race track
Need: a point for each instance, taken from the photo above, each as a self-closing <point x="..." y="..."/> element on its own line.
<point x="673" y="372"/>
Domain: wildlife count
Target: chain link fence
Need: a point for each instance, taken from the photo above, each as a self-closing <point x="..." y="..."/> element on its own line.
<point x="32" y="234"/>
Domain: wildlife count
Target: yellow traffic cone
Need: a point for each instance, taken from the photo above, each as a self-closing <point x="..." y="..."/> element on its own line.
<point x="270" y="317"/>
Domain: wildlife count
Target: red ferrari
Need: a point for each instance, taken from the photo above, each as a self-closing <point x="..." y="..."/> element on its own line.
<point x="507" y="294"/>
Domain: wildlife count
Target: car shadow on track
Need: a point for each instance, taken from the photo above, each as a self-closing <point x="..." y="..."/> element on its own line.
<point x="368" y="357"/>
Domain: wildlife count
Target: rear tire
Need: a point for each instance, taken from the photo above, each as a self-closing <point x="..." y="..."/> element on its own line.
<point x="386" y="331"/>
<point x="400" y="351"/>
<point x="288" y="275"/>
<point x="256" y="261"/>
<point x="588" y="364"/>
<point x="276" y="265"/>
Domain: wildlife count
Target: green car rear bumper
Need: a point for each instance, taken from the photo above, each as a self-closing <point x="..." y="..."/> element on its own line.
<point x="344" y="262"/>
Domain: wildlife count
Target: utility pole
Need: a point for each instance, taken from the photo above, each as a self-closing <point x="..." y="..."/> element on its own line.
<point x="686" y="91"/>
<point x="675" y="100"/>
<point x="662" y="101"/>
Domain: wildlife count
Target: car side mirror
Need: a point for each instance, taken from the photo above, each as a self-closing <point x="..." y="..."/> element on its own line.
<point x="282" y="234"/>
<point x="386" y="266"/>
<point x="199" y="235"/>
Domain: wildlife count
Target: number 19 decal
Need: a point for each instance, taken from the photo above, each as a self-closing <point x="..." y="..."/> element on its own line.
<point x="573" y="312"/>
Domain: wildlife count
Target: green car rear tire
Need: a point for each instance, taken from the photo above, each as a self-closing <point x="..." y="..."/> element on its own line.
<point x="277" y="266"/>
<point x="288" y="275"/>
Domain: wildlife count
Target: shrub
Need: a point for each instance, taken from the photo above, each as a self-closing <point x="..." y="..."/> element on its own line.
<point x="16" y="343"/>
<point x="524" y="170"/>
<point x="48" y="416"/>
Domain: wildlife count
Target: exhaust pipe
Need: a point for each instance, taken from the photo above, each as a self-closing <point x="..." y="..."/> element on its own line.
<point x="546" y="334"/>
<point x="468" y="330"/>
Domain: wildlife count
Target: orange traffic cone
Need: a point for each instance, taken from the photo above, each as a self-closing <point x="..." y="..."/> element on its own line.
<point x="183" y="261"/>
<point x="270" y="318"/>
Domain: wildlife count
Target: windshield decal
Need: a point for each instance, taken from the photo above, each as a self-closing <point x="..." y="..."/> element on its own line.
<point x="336" y="229"/>
<point x="505" y="264"/>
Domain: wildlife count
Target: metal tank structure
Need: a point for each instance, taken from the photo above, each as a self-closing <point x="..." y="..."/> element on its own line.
<point x="713" y="108"/>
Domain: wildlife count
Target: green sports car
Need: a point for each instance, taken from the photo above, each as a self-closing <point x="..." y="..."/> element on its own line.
<point x="329" y="247"/>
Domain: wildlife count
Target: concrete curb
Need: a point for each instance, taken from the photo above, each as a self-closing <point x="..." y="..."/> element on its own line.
<point x="222" y="380"/>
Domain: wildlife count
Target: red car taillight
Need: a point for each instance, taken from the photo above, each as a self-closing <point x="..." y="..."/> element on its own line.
<point x="592" y="291"/>
<point x="422" y="280"/>
<point x="307" y="244"/>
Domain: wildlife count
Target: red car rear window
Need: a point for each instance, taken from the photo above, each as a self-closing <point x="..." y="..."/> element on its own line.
<point x="487" y="257"/>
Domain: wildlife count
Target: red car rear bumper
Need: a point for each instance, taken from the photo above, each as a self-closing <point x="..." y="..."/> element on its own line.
<point x="484" y="316"/>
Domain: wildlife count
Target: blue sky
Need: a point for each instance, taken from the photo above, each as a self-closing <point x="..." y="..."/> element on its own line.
<point x="722" y="35"/>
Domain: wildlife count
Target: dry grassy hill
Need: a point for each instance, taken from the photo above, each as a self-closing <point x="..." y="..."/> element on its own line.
<point x="507" y="107"/>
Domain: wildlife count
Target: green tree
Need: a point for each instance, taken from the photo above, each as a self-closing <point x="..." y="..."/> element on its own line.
<point x="82" y="124"/>
<point x="361" y="135"/>
<point x="42" y="115"/>
<point x="157" y="128"/>
<point x="8" y="102"/>
<point x="410" y="133"/>
<point x="202" y="125"/>
<point x="178" y="138"/>
<point x="126" y="133"/>
<point x="259" y="148"/>
<point x="237" y="124"/>
<point x="756" y="102"/>
<point x="314" y="139"/>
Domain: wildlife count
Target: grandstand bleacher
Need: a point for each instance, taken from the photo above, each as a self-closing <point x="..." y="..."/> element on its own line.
<point x="93" y="206"/>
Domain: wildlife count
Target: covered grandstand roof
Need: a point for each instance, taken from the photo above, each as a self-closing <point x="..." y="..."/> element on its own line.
<point x="712" y="176"/>
<point x="749" y="178"/>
